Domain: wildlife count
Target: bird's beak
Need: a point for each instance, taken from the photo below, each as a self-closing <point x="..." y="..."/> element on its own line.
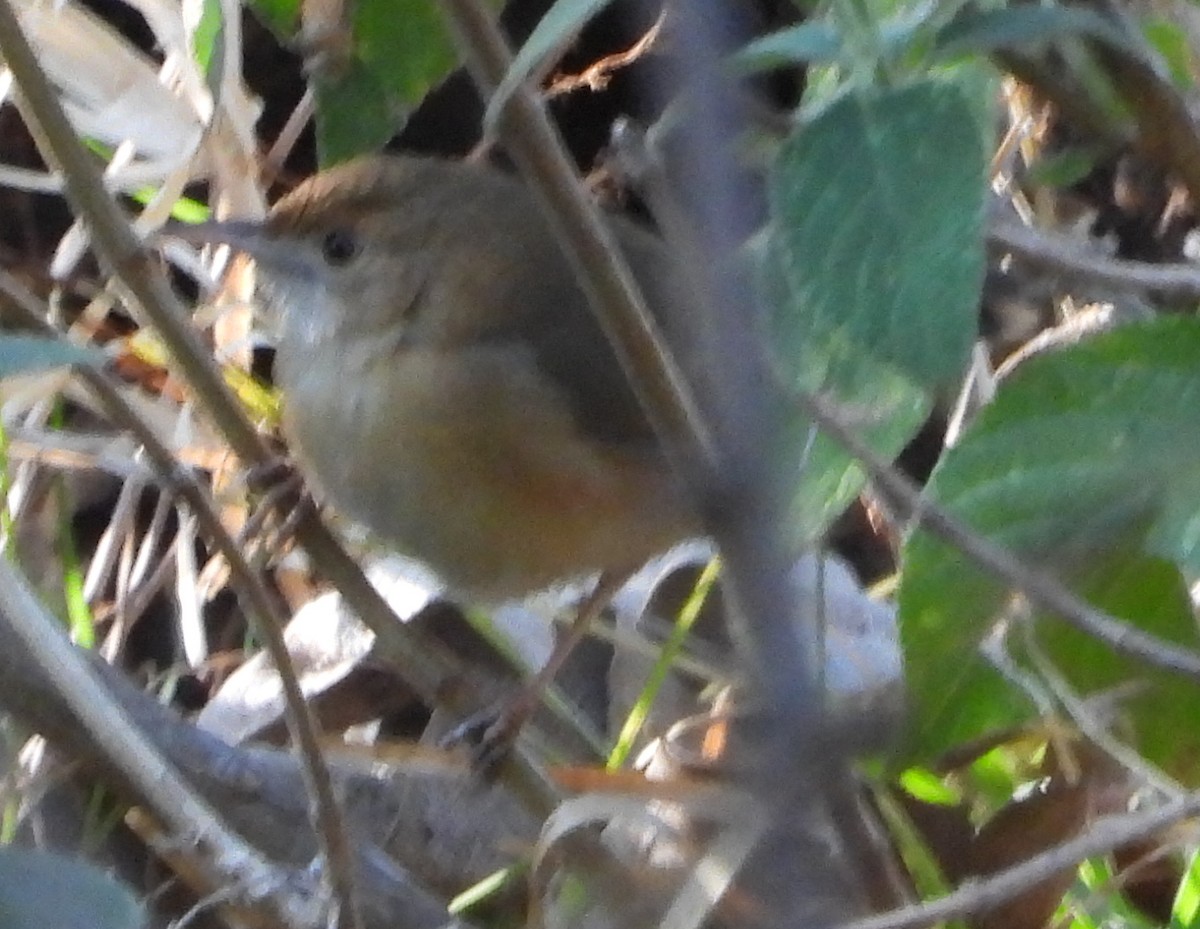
<point x="243" y="235"/>
<point x="248" y="236"/>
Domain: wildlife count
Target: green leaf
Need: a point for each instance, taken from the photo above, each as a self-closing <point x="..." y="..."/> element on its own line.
<point x="929" y="787"/>
<point x="957" y="695"/>
<point x="817" y="42"/>
<point x="1159" y="715"/>
<point x="185" y="209"/>
<point x="39" y="890"/>
<point x="1088" y="464"/>
<point x="206" y="37"/>
<point x="1112" y="419"/>
<point x="554" y="32"/>
<point x="400" y="49"/>
<point x="1171" y="42"/>
<point x="976" y="31"/>
<point x="829" y="480"/>
<point x="1185" y="911"/>
<point x="807" y="43"/>
<point x="872" y="275"/>
<point x="281" y="17"/>
<point x="354" y="115"/>
<point x="404" y="44"/>
<point x="886" y="406"/>
<point x="1064" y="168"/>
<point x="22" y="354"/>
<point x="877" y="206"/>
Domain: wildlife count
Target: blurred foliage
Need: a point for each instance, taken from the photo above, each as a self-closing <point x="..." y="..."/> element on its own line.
<point x="40" y="889"/>
<point x="398" y="50"/>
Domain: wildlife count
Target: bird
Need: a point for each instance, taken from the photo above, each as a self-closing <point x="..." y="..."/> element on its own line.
<point x="446" y="384"/>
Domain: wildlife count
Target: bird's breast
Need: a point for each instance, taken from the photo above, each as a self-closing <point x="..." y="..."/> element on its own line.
<point x="471" y="461"/>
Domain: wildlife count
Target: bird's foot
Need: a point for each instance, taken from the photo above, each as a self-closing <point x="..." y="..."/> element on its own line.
<point x="488" y="737"/>
<point x="283" y="492"/>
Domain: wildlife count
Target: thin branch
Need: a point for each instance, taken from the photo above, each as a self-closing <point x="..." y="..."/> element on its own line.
<point x="597" y="75"/>
<point x="1061" y="254"/>
<point x="1095" y="725"/>
<point x="979" y="895"/>
<point x="288" y="136"/>
<point x="591" y="247"/>
<point x="1167" y="128"/>
<point x="1038" y="587"/>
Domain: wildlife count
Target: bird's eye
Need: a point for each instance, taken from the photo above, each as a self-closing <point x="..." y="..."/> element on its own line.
<point x="340" y="246"/>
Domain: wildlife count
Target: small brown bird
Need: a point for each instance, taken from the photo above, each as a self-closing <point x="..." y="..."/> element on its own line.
<point x="446" y="384"/>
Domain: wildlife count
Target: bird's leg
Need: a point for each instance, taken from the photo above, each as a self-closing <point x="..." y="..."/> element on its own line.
<point x="492" y="735"/>
<point x="283" y="492"/>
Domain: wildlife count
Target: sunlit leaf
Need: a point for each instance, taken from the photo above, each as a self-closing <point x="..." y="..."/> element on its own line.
<point x="1087" y="464"/>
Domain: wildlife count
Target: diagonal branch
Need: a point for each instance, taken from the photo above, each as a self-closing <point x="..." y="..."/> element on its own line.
<point x="1040" y="588"/>
<point x="979" y="895"/>
<point x="1057" y="253"/>
<point x="233" y="860"/>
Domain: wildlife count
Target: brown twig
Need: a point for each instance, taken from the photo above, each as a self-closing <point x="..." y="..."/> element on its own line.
<point x="1168" y="131"/>
<point x="980" y="895"/>
<point x="288" y="136"/>
<point x="596" y="76"/>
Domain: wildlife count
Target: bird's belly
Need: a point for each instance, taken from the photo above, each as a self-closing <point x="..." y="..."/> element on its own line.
<point x="475" y="466"/>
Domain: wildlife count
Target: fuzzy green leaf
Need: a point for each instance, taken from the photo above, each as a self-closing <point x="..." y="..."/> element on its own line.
<point x="878" y="210"/>
<point x="1087" y="464"/>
